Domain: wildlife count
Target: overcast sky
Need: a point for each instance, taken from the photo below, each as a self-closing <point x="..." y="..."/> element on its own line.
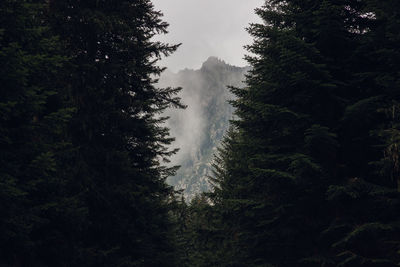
<point x="207" y="28"/>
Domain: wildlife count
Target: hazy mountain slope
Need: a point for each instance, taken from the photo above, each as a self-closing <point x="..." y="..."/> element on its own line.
<point x="200" y="127"/>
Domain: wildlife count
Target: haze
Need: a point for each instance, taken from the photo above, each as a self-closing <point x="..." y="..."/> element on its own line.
<point x="207" y="28"/>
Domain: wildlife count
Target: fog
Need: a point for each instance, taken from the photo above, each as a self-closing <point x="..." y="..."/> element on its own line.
<point x="186" y="126"/>
<point x="207" y="28"/>
<point x="199" y="128"/>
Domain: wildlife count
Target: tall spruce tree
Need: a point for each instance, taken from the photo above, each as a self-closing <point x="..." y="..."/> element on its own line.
<point x="297" y="182"/>
<point x="283" y="115"/>
<point x="81" y="136"/>
<point x="364" y="228"/>
<point x="38" y="214"/>
<point x="118" y="129"/>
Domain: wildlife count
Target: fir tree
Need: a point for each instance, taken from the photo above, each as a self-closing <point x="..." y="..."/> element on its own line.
<point x="39" y="215"/>
<point x="301" y="162"/>
<point x="82" y="138"/>
<point x="118" y="130"/>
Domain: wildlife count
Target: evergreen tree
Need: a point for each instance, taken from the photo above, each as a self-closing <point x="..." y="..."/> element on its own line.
<point x="118" y="130"/>
<point x="38" y="214"/>
<point x="364" y="229"/>
<point x="82" y="141"/>
<point x="198" y="238"/>
<point x="301" y="163"/>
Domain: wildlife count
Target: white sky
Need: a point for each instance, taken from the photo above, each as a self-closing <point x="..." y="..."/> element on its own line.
<point x="207" y="28"/>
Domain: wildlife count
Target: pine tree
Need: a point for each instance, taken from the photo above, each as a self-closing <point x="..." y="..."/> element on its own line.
<point x="298" y="175"/>
<point x="198" y="239"/>
<point x="118" y="129"/>
<point x="38" y="213"/>
<point x="364" y="230"/>
<point x="81" y="136"/>
<point x="278" y="184"/>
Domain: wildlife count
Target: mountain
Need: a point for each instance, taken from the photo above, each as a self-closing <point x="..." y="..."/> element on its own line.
<point x="199" y="128"/>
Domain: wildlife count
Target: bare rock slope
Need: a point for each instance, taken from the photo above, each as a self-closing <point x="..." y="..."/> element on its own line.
<point x="199" y="128"/>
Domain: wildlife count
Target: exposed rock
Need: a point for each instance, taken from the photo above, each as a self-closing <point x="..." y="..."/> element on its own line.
<point x="199" y="128"/>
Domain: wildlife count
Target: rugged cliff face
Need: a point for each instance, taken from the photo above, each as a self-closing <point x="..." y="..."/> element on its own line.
<point x="199" y="128"/>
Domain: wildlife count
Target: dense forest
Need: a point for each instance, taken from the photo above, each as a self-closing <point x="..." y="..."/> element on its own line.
<point x="308" y="173"/>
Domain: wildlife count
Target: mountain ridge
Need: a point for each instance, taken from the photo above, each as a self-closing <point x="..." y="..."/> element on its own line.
<point x="200" y="127"/>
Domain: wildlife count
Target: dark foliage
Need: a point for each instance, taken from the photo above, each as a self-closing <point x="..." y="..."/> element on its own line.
<point x="308" y="175"/>
<point x="81" y="135"/>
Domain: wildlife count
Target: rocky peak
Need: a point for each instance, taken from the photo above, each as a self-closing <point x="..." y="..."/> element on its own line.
<point x="213" y="62"/>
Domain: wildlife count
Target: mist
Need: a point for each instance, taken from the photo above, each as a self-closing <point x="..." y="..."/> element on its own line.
<point x="207" y="28"/>
<point x="186" y="126"/>
<point x="200" y="127"/>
